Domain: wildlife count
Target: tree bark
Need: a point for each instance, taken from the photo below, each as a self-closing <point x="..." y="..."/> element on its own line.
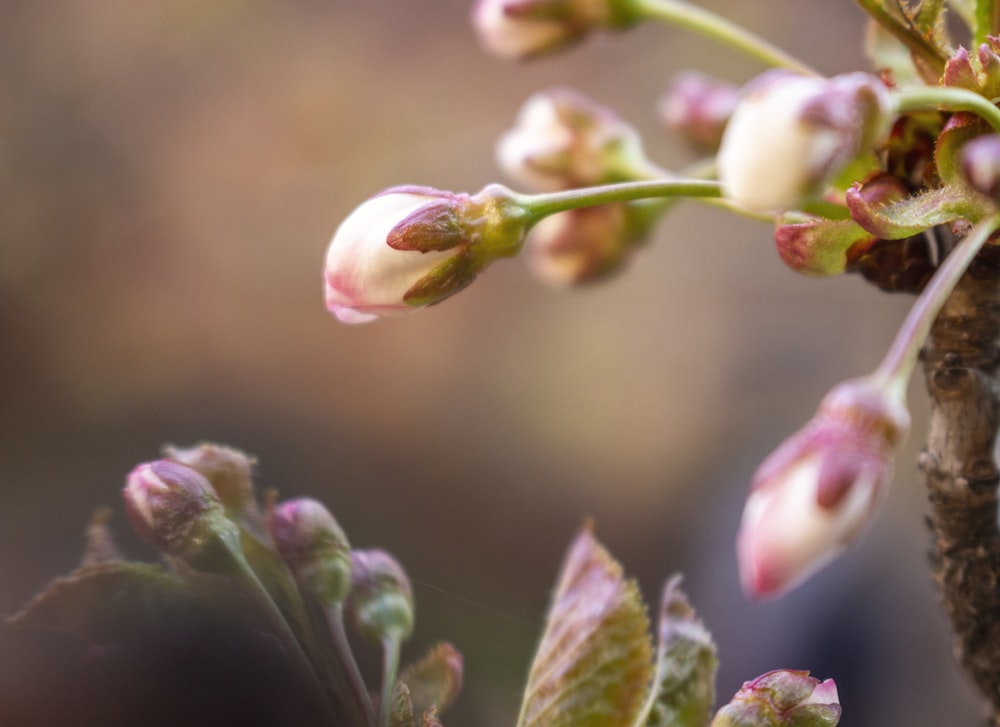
<point x="961" y="360"/>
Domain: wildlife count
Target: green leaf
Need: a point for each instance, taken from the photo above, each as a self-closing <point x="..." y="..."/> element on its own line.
<point x="401" y="714"/>
<point x="684" y="685"/>
<point x="435" y="680"/>
<point x="112" y="602"/>
<point x="593" y="665"/>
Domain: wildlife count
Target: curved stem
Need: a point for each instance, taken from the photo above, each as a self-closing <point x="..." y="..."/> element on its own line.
<point x="537" y="206"/>
<point x="921" y="98"/>
<point x="390" y="667"/>
<point x="718" y="28"/>
<point x="899" y="362"/>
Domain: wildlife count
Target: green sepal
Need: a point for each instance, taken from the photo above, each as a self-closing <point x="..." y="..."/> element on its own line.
<point x="959" y="129"/>
<point x="593" y="664"/>
<point x="401" y="713"/>
<point x="821" y="247"/>
<point x="445" y="280"/>
<point x="989" y="64"/>
<point x="435" y="680"/>
<point x="683" y="689"/>
<point x="916" y="214"/>
<point x="116" y="602"/>
<point x="435" y="227"/>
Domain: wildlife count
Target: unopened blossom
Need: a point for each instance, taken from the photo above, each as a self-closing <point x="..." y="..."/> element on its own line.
<point x="520" y="29"/>
<point x="588" y="244"/>
<point x="782" y="698"/>
<point x="414" y="246"/>
<point x="697" y="108"/>
<point x="791" y="134"/>
<point x="981" y="164"/>
<point x="561" y="139"/>
<point x="815" y="493"/>
<point x="314" y="546"/>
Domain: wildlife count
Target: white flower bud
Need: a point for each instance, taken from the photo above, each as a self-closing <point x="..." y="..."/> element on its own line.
<point x="563" y="140"/>
<point x="791" y="134"/>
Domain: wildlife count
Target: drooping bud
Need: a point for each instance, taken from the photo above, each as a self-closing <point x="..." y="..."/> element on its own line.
<point x="562" y="140"/>
<point x="697" y="108"/>
<point x="228" y="470"/>
<point x="314" y="546"/>
<point x="175" y="510"/>
<point x="381" y="599"/>
<point x="589" y="244"/>
<point x="521" y="29"/>
<point x="414" y="246"/>
<point x="981" y="164"/>
<point x="790" y="135"/>
<point x="782" y="698"/>
<point x="815" y="493"/>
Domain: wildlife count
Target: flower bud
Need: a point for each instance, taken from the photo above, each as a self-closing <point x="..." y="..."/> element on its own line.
<point x="381" y="599"/>
<point x="562" y="140"/>
<point x="790" y="135"/>
<point x="226" y="469"/>
<point x="782" y="698"/>
<point x="814" y="494"/>
<point x="313" y="545"/>
<point x="175" y="510"/>
<point x="697" y="108"/>
<point x="588" y="244"/>
<point x="981" y="164"/>
<point x="414" y="246"/>
<point x="521" y="29"/>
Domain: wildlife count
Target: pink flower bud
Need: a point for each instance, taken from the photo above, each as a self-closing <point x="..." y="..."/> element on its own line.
<point x="165" y="501"/>
<point x="981" y="164"/>
<point x="697" y="107"/>
<point x="314" y="546"/>
<point x="520" y="29"/>
<point x="563" y="140"/>
<point x="381" y="598"/>
<point x="790" y="135"/>
<point x="588" y="244"/>
<point x="414" y="246"/>
<point x="815" y="493"/>
<point x="782" y="698"/>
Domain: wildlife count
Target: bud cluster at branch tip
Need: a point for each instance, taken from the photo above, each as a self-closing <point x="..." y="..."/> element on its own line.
<point x="815" y="493"/>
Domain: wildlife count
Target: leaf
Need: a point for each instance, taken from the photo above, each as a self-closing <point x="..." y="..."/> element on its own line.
<point x="401" y="714"/>
<point x="109" y="602"/>
<point x="593" y="665"/>
<point x="435" y="680"/>
<point x="684" y="685"/>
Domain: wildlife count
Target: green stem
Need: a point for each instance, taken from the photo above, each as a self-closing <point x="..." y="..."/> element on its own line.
<point x="390" y="667"/>
<point x="537" y="206"/>
<point x="908" y="36"/>
<point x="345" y="657"/>
<point x="899" y="362"/>
<point x="921" y="98"/>
<point x="702" y="21"/>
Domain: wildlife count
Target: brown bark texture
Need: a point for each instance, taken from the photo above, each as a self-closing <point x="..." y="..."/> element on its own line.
<point x="961" y="362"/>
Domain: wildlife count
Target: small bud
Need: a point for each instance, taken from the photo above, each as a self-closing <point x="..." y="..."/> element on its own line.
<point x="782" y="698"/>
<point x="313" y="545"/>
<point x="588" y="244"/>
<point x="521" y="29"/>
<point x="414" y="246"/>
<point x="790" y="135"/>
<point x="697" y="108"/>
<point x="562" y="140"/>
<point x="815" y="493"/>
<point x="228" y="470"/>
<point x="175" y="509"/>
<point x="381" y="599"/>
<point x="981" y="164"/>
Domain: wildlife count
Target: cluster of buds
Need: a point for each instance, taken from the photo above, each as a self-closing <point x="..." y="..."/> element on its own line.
<point x="782" y="699"/>
<point x="296" y="564"/>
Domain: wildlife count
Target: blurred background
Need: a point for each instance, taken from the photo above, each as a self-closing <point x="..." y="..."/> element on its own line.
<point x="170" y="174"/>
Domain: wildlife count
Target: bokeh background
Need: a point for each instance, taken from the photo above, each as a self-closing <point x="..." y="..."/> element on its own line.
<point x="170" y="173"/>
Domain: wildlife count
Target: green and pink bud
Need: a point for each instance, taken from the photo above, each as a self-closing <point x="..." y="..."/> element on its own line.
<point x="520" y="29"/>
<point x="697" y="108"/>
<point x="790" y="136"/>
<point x="815" y="493"/>
<point x="563" y="140"/>
<point x="782" y="698"/>
<point x="314" y="547"/>
<point x="381" y="599"/>
<point x="410" y="247"/>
